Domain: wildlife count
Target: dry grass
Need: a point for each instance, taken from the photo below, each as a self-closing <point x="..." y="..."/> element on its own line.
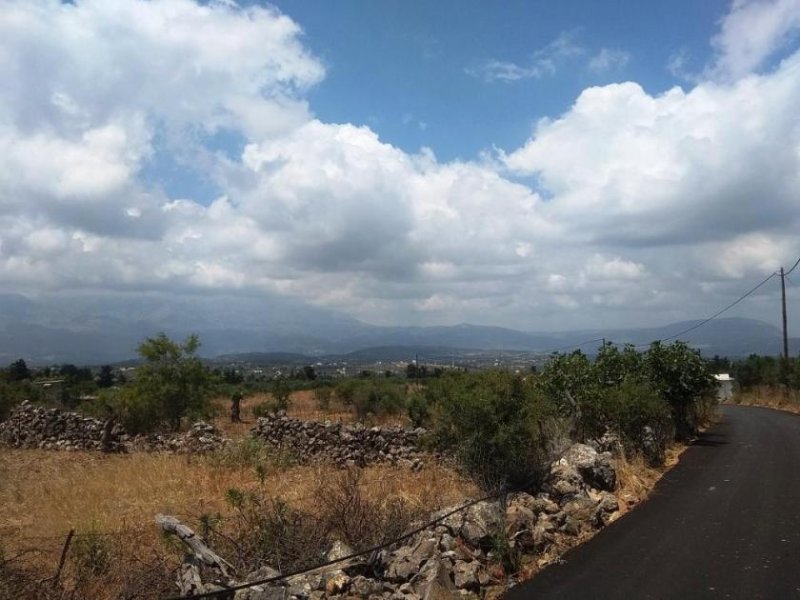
<point x="47" y="493"/>
<point x="44" y="494"/>
<point x="636" y="479"/>
<point x="770" y="397"/>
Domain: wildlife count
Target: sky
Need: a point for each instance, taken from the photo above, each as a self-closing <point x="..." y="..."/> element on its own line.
<point x="536" y="165"/>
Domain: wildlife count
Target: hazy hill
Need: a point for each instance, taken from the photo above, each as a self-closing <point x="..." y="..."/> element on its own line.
<point x="92" y="330"/>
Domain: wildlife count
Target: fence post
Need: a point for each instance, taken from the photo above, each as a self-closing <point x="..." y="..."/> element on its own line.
<point x="63" y="558"/>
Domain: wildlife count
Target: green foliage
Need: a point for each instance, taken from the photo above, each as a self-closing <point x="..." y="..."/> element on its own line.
<point x="18" y="371"/>
<point x="758" y="370"/>
<point x="418" y="409"/>
<point x="13" y="393"/>
<point x="682" y="379"/>
<point x="495" y="423"/>
<point x="105" y="378"/>
<point x="281" y="393"/>
<point x="250" y="453"/>
<point x="639" y="416"/>
<point x="345" y="391"/>
<point x="378" y="398"/>
<point x="171" y="384"/>
<point x="644" y="397"/>
<point x="91" y="553"/>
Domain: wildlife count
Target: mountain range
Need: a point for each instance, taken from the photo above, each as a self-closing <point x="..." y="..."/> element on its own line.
<point x="82" y="329"/>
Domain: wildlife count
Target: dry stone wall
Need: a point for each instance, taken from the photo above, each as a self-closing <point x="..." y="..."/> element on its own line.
<point x="342" y="444"/>
<point x="31" y="426"/>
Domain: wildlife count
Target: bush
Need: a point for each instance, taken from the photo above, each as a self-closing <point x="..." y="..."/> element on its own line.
<point x="378" y="398"/>
<point x="91" y="553"/>
<point x="682" y="378"/>
<point x="640" y="417"/>
<point x="498" y="426"/>
<point x="623" y="390"/>
<point x="418" y="409"/>
<point x="350" y="513"/>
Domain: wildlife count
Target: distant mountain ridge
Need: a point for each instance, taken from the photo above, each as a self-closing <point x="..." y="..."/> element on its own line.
<point x="85" y="330"/>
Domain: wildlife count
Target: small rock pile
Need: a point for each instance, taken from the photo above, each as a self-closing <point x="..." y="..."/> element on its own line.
<point x="31" y="426"/>
<point x="344" y="445"/>
<point x="458" y="557"/>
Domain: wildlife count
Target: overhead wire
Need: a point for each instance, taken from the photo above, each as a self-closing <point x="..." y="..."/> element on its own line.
<point x="243" y="586"/>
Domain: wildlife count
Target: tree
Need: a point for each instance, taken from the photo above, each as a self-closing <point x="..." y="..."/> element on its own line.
<point x="105" y="379"/>
<point x="682" y="378"/>
<point x="18" y="371"/>
<point x="309" y="373"/>
<point x="173" y="379"/>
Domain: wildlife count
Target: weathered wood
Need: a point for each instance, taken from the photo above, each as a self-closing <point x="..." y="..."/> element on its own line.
<point x="198" y="547"/>
<point x="63" y="558"/>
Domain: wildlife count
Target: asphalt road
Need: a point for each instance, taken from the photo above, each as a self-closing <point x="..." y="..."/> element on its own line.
<point x="724" y="523"/>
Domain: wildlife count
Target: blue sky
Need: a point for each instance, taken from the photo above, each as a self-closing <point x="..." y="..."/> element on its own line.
<point x="534" y="165"/>
<point x="396" y="64"/>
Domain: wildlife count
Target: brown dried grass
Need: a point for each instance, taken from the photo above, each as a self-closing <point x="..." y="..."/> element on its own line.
<point x="779" y="398"/>
<point x="44" y="494"/>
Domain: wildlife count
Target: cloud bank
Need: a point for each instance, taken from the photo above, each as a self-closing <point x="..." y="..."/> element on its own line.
<point x="628" y="208"/>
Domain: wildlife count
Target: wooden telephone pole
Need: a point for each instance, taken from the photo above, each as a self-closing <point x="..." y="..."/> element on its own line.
<point x="783" y="308"/>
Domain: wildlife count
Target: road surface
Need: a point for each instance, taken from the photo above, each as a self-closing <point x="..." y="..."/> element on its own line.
<point x="724" y="523"/>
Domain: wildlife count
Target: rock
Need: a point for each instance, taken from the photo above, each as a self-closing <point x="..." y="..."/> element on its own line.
<point x="564" y="481"/>
<point x="543" y="504"/>
<point x="401" y="566"/>
<point x="606" y="510"/>
<point x="582" y="508"/>
<point x="595" y="468"/>
<point x="543" y="534"/>
<point x="467" y="575"/>
<point x="520" y="521"/>
<point x="337" y="583"/>
<point x="338" y="551"/>
<point x="435" y="582"/>
<point x="366" y="588"/>
<point x="481" y="522"/>
<point x="32" y="426"/>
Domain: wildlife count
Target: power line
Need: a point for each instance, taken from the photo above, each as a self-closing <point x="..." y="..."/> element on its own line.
<point x="720" y="312"/>
<point x="793" y="267"/>
<point x="696" y="325"/>
<point x="578" y="345"/>
<point x="368" y="551"/>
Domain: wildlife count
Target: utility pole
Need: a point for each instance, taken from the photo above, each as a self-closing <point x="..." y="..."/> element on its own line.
<point x="783" y="308"/>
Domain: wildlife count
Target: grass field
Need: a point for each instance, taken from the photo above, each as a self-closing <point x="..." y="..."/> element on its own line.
<point x="112" y="501"/>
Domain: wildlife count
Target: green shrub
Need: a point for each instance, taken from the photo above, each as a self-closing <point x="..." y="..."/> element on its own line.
<point x="640" y="417"/>
<point x="418" y="409"/>
<point x="682" y="378"/>
<point x="498" y="426"/>
<point x="378" y="398"/>
<point x="91" y="553"/>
